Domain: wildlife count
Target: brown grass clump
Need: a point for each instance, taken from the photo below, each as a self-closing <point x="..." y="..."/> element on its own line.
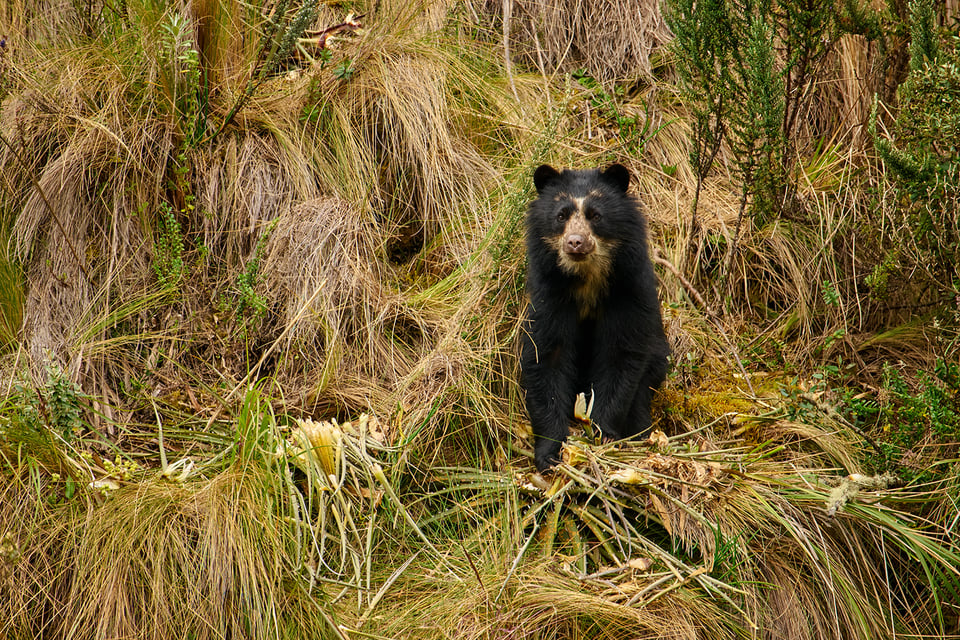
<point x="59" y="235"/>
<point x="610" y="40"/>
<point x="329" y="285"/>
<point x="152" y="560"/>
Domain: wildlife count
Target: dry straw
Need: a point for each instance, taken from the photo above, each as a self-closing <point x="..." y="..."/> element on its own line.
<point x="375" y="214"/>
<point x="611" y="40"/>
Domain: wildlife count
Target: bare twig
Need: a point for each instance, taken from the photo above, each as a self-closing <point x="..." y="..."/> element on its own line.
<point x="692" y="291"/>
<point x="508" y="64"/>
<point x="687" y="285"/>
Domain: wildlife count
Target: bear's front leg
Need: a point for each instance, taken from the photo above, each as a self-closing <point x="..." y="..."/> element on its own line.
<point x="617" y="375"/>
<point x="616" y="392"/>
<point x="550" y="400"/>
<point x="549" y="378"/>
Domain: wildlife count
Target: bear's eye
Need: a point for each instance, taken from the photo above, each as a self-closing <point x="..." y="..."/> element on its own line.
<point x="592" y="214"/>
<point x="563" y="215"/>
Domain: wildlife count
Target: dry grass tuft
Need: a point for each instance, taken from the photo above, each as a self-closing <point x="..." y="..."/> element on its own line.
<point x="152" y="560"/>
<point x="611" y="40"/>
<point x="60" y="235"/>
<point x="243" y="184"/>
<point x="398" y="139"/>
<point x="327" y="281"/>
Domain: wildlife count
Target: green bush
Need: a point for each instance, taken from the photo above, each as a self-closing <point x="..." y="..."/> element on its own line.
<point x="56" y="405"/>
<point x="916" y="424"/>
<point x="738" y="89"/>
<point x="168" y="250"/>
<point x="923" y="155"/>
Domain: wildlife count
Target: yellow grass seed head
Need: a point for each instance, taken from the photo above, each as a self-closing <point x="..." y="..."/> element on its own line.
<point x="629" y="476"/>
<point x="322" y="442"/>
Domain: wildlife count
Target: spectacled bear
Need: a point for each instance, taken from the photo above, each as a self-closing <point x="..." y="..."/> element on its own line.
<point x="593" y="323"/>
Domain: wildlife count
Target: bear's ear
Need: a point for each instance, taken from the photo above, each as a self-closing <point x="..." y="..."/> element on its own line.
<point x="616" y="175"/>
<point x="544" y="175"/>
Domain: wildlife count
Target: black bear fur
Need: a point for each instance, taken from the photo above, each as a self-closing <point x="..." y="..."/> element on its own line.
<point x="594" y="322"/>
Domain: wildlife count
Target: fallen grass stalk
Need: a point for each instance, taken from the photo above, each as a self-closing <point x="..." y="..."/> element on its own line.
<point x="382" y="591"/>
<point x="526" y="545"/>
<point x="378" y="474"/>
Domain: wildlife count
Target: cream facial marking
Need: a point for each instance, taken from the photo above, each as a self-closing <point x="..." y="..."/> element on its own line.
<point x="577" y="240"/>
<point x="580" y="253"/>
<point x="592" y="276"/>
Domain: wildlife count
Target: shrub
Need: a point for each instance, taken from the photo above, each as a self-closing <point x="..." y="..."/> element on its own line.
<point x="923" y="155"/>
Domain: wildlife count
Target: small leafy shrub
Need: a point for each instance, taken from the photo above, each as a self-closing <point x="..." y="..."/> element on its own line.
<point x="916" y="424"/>
<point x="250" y="305"/>
<point x="738" y="88"/>
<point x="879" y="278"/>
<point x="909" y="425"/>
<point x="182" y="77"/>
<point x="344" y="70"/>
<point x="168" y="250"/>
<point x="631" y="131"/>
<point x="57" y="405"/>
<point x="924" y="153"/>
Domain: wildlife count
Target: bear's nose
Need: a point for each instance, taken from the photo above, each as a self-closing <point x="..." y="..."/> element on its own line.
<point x="574" y="243"/>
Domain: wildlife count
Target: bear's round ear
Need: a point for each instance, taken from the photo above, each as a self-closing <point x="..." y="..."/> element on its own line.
<point x="617" y="175"/>
<point x="544" y="175"/>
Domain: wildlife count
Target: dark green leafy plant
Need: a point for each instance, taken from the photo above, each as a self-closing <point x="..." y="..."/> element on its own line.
<point x="923" y="153"/>
<point x="924" y="45"/>
<point x="912" y="420"/>
<point x="705" y="47"/>
<point x="56" y="405"/>
<point x="631" y="130"/>
<point x="746" y="71"/>
<point x="343" y="70"/>
<point x="756" y="128"/>
<point x="250" y="304"/>
<point x="168" y="249"/>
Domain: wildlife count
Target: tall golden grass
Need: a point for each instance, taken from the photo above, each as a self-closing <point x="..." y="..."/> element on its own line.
<point x="348" y="225"/>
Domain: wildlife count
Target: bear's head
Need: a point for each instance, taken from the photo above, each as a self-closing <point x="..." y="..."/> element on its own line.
<point x="582" y="216"/>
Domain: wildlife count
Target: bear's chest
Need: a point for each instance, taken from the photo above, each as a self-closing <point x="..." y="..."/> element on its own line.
<point x="585" y="348"/>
